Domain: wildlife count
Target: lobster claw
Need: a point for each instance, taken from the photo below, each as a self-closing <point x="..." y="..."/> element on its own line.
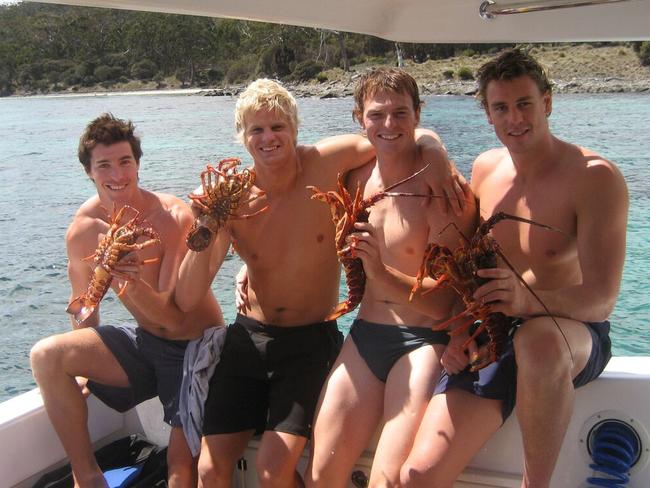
<point x="81" y="309"/>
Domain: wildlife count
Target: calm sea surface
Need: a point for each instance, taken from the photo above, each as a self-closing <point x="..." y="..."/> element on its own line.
<point x="42" y="184"/>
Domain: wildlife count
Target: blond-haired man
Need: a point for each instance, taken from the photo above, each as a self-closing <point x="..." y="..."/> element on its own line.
<point x="279" y="351"/>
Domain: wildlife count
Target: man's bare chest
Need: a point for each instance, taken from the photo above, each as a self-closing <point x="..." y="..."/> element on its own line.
<point x="299" y="229"/>
<point x="526" y="244"/>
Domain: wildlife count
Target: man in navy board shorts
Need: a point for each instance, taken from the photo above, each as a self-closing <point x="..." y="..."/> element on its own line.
<point x="280" y="348"/>
<point x="124" y="365"/>
<point x="562" y="341"/>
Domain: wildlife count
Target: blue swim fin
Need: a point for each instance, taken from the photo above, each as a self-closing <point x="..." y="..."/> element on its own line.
<point x="122" y="477"/>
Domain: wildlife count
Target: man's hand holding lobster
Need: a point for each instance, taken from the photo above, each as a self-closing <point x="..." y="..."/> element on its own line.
<point x="363" y="244"/>
<point x="455" y="358"/>
<point x="505" y="293"/>
<point x="128" y="273"/>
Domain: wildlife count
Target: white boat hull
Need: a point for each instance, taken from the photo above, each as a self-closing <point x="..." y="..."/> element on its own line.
<point x="29" y="446"/>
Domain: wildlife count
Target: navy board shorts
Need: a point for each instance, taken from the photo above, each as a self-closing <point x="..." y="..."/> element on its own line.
<point x="154" y="367"/>
<point x="269" y="377"/>
<point x="381" y="345"/>
<point x="498" y="381"/>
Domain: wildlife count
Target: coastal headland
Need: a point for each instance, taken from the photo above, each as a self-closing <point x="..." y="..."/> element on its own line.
<point x="574" y="68"/>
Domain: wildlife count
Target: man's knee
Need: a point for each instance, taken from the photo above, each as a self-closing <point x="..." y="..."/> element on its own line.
<point x="45" y="356"/>
<point x="211" y="470"/>
<point x="541" y="350"/>
<point x="275" y="471"/>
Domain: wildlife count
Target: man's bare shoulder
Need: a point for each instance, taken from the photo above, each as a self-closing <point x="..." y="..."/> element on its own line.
<point x="486" y="163"/>
<point x="594" y="174"/>
<point x="169" y="210"/>
<point x="491" y="158"/>
<point x="88" y="222"/>
<point x="592" y="160"/>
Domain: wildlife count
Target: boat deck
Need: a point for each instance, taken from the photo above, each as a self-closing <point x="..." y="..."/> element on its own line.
<point x="29" y="446"/>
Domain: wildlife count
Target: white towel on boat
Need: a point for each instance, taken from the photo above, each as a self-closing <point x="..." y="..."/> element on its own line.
<point x="201" y="357"/>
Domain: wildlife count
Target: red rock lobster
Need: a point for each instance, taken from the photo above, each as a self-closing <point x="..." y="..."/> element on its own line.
<point x="346" y="211"/>
<point x="457" y="269"/>
<point x="117" y="243"/>
<point x="223" y="191"/>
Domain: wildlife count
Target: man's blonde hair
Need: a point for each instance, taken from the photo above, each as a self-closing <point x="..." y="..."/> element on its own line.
<point x="268" y="95"/>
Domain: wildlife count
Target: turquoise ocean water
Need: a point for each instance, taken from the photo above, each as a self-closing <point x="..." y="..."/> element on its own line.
<point x="42" y="184"/>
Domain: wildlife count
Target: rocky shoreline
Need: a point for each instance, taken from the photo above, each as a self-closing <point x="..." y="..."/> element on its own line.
<point x="573" y="68"/>
<point x="338" y="89"/>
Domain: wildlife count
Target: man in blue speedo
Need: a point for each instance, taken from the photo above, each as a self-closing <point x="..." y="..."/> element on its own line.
<point x="390" y="362"/>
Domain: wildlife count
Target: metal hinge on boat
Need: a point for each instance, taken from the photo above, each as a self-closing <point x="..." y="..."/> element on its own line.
<point x="489" y="9"/>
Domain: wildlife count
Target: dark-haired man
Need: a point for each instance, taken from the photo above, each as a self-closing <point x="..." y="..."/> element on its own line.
<point x="128" y="364"/>
<point x="540" y="177"/>
<point x="390" y="361"/>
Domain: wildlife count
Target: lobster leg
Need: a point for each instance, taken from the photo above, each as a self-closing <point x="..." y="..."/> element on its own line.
<point x="476" y="333"/>
<point x="448" y="322"/>
<point x="248" y="216"/>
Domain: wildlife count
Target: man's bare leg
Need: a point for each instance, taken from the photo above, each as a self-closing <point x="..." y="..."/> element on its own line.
<point x="545" y="392"/>
<point x="277" y="459"/>
<point x="409" y="388"/>
<point x="349" y="410"/>
<point x="56" y="361"/>
<point x="455" y="426"/>
<point x="219" y="454"/>
<point x="181" y="466"/>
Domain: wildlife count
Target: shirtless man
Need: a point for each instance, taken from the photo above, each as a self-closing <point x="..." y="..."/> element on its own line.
<point x="279" y="351"/>
<point x="540" y="177"/>
<point x="122" y="363"/>
<point x="390" y="362"/>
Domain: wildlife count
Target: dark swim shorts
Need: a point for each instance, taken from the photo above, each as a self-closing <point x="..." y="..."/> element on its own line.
<point x="498" y="381"/>
<point x="154" y="367"/>
<point x="382" y="345"/>
<point x="269" y="377"/>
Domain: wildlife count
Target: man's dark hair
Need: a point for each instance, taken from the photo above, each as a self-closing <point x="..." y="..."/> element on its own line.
<point x="508" y="65"/>
<point x="107" y="129"/>
<point x="384" y="79"/>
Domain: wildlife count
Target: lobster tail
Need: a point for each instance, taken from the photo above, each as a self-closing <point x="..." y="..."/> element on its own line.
<point x="81" y="308"/>
<point x="199" y="238"/>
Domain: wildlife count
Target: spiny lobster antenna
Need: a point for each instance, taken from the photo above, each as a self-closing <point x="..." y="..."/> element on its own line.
<point x="418" y="172"/>
<point x="487" y="225"/>
<point x="453" y="224"/>
<point x="532" y="292"/>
